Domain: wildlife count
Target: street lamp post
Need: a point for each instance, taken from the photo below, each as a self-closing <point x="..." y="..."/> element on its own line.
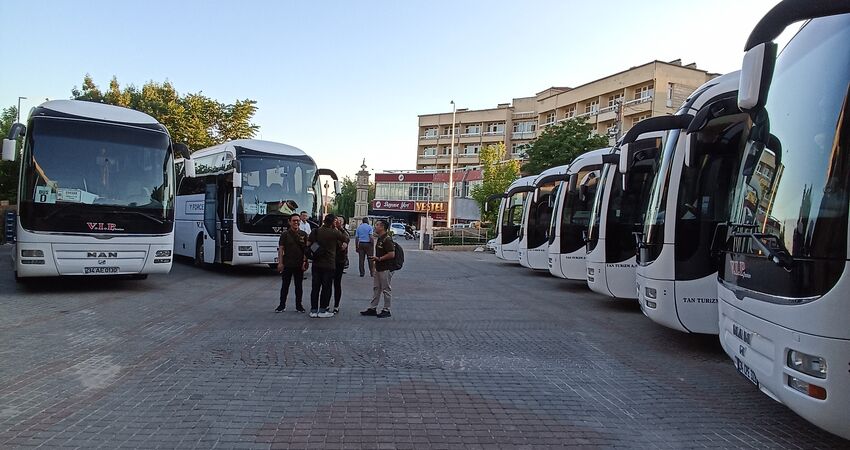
<point x="326" y="199"/>
<point x="451" y="167"/>
<point x="19" y="108"/>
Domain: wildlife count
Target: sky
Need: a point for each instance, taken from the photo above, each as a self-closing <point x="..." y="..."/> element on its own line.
<point x="346" y="80"/>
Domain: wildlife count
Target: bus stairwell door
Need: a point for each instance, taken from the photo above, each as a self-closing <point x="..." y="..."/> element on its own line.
<point x="211" y="223"/>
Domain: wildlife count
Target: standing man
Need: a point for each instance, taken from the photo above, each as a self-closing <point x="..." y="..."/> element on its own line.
<point x="363" y="236"/>
<point x="305" y="225"/>
<point x="385" y="253"/>
<point x="341" y="259"/>
<point x="291" y="262"/>
<point x="324" y="264"/>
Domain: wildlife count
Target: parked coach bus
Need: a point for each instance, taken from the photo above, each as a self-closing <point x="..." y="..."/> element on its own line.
<point x="571" y="215"/>
<point x="234" y="199"/>
<point x="784" y="285"/>
<point x="536" y="216"/>
<point x="688" y="205"/>
<point x="617" y="214"/>
<point x="510" y="218"/>
<point x="96" y="192"/>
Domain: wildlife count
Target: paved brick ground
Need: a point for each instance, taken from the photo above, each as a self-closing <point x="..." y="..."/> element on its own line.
<point x="478" y="354"/>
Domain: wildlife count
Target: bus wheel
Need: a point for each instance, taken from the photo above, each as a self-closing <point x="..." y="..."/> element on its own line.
<point x="199" y="252"/>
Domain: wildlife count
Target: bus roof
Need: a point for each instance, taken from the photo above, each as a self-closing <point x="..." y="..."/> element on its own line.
<point x="256" y="145"/>
<point x="524" y="181"/>
<point x="591" y="157"/>
<point x="77" y="109"/>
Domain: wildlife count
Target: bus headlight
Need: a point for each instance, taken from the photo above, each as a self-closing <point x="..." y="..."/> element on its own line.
<point x="244" y="248"/>
<point x="651" y="292"/>
<point x="163" y="253"/>
<point x="810" y="365"/>
<point x="32" y="253"/>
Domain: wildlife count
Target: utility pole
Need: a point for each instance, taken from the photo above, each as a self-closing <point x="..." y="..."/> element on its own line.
<point x="452" y="167"/>
<point x="618" y="119"/>
<point x="19" y="108"/>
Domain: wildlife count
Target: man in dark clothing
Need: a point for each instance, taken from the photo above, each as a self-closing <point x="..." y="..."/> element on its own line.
<point x="341" y="259"/>
<point x="324" y="264"/>
<point x="291" y="262"/>
<point x="384" y="254"/>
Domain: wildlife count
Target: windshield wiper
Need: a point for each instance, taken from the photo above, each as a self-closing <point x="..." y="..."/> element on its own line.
<point x="778" y="254"/>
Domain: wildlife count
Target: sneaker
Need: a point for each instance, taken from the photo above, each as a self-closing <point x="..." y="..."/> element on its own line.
<point x="314" y="313"/>
<point x="384" y="313"/>
<point x="369" y="312"/>
<point x="280" y="308"/>
<point x="324" y="314"/>
<point x="336" y="311"/>
<point x="299" y="309"/>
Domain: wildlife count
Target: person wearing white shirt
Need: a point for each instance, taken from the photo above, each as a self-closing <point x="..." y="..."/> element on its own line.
<point x="305" y="226"/>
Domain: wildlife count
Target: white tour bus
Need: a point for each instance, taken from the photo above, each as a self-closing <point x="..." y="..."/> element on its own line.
<point x="690" y="199"/>
<point x="234" y="199"/>
<point x="96" y="191"/>
<point x="510" y="218"/>
<point x="616" y="215"/>
<point x="537" y="215"/>
<point x="784" y="282"/>
<point x="571" y="215"/>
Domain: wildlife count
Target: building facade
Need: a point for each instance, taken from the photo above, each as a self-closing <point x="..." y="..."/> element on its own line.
<point x="612" y="105"/>
<point x="411" y="195"/>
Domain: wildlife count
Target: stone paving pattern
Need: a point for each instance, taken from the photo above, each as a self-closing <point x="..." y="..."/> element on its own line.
<point x="479" y="354"/>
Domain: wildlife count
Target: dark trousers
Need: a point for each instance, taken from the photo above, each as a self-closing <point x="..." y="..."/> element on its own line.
<point x="291" y="274"/>
<point x="322" y="282"/>
<point x="364" y="251"/>
<point x="338" y="284"/>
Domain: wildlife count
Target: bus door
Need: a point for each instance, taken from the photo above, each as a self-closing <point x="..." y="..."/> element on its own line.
<point x="211" y="223"/>
<point x="224" y="210"/>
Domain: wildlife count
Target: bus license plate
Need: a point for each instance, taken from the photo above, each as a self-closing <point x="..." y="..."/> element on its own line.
<point x="746" y="371"/>
<point x="96" y="270"/>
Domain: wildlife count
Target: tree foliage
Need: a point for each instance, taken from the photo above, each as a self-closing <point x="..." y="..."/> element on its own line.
<point x="9" y="169"/>
<point x="498" y="175"/>
<point x="193" y="119"/>
<point x="343" y="202"/>
<point x="560" y="144"/>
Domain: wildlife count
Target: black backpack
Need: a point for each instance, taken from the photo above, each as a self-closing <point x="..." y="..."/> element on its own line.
<point x="398" y="261"/>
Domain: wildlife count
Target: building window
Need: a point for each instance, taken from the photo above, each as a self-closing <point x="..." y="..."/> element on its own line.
<point x="570" y="112"/>
<point x="447" y="149"/>
<point x="471" y="149"/>
<point x="518" y="148"/>
<point x="591" y="107"/>
<point x="524" y="127"/>
<point x="614" y="99"/>
<point x="764" y="170"/>
<point x="430" y="133"/>
<point x="550" y="118"/>
<point x="473" y="129"/>
<point x="639" y="118"/>
<point x="644" y="92"/>
<point x="496" y="128"/>
<point x="429" y="151"/>
<point x="447" y="131"/>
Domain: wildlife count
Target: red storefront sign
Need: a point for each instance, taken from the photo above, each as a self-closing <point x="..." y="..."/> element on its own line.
<point x="393" y="205"/>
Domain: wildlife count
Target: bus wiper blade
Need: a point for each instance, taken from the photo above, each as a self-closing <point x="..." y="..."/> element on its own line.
<point x="780" y="256"/>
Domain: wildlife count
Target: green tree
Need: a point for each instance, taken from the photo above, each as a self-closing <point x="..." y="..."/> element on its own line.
<point x="9" y="169"/>
<point x="498" y="174"/>
<point x="560" y="144"/>
<point x="193" y="119"/>
<point x="343" y="202"/>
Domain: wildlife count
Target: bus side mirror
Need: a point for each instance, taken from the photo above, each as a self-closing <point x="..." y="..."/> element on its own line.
<point x="182" y="150"/>
<point x="337" y="187"/>
<point x="573" y="182"/>
<point x="626" y="158"/>
<point x="9" y="147"/>
<point x="756" y="73"/>
<point x="534" y="195"/>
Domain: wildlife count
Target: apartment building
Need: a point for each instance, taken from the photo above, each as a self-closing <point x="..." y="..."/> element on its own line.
<point x="612" y="104"/>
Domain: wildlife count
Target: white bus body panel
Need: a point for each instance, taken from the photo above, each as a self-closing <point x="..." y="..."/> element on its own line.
<point x="90" y="254"/>
<point x="536" y="258"/>
<point x="509" y="251"/>
<point x="816" y="328"/>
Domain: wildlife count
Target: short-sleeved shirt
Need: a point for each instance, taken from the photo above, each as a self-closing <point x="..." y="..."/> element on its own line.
<point x="328" y="239"/>
<point x="305" y="227"/>
<point x="385" y="245"/>
<point x="293" y="243"/>
<point x="363" y="233"/>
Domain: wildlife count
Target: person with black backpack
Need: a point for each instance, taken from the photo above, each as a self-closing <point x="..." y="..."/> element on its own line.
<point x="388" y="258"/>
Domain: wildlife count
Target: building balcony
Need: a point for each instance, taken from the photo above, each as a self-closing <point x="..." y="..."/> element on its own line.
<point x="605" y="116"/>
<point x="524" y="115"/>
<point x="494" y="133"/>
<point x="478" y="133"/>
<point x="636" y="106"/>
<point x="587" y="114"/>
<point x="523" y="135"/>
<point x="426" y="137"/>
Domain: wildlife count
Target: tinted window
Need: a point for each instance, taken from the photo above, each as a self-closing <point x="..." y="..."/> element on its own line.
<point x="576" y="209"/>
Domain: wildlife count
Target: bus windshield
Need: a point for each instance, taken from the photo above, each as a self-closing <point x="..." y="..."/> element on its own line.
<point x="82" y="176"/>
<point x="656" y="210"/>
<point x="274" y="187"/>
<point x="576" y="208"/>
<point x="596" y="211"/>
<point x="793" y="189"/>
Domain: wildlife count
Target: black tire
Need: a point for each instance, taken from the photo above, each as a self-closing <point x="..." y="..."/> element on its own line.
<point x="199" y="252"/>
